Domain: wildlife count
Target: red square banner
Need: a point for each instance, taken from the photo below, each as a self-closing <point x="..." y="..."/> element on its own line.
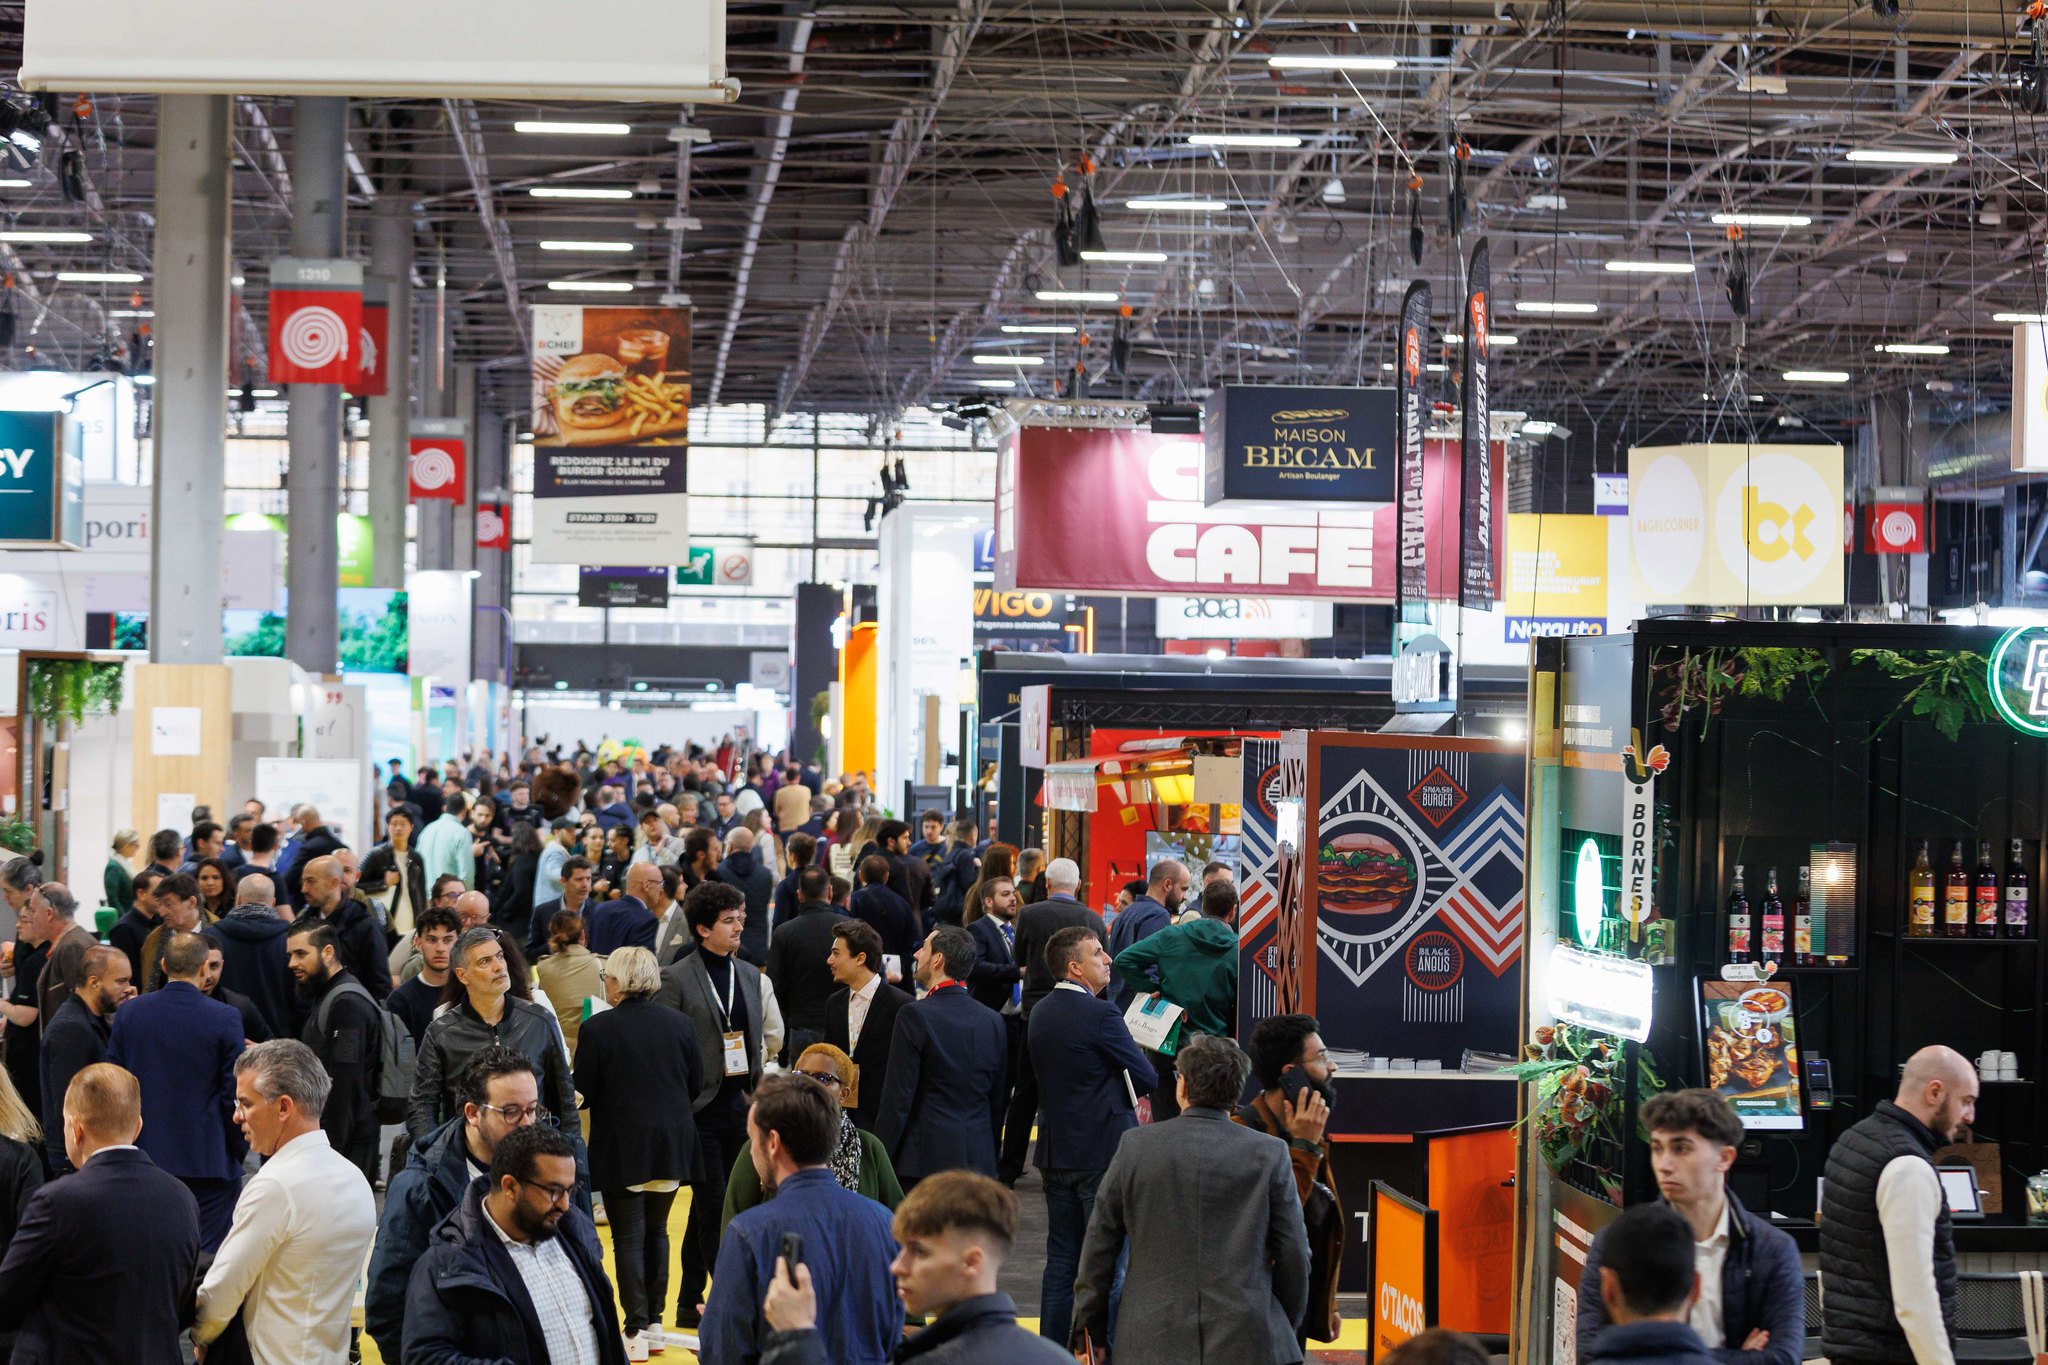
<point x="314" y="335"/>
<point x="436" y="468"/>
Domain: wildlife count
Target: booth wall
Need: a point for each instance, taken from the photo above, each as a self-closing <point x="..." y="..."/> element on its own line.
<point x="671" y="725"/>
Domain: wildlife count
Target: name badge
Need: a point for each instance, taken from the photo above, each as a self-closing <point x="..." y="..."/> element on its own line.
<point x="735" y="1054"/>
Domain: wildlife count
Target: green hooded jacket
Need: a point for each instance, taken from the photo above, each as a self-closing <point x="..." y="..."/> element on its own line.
<point x="1194" y="965"/>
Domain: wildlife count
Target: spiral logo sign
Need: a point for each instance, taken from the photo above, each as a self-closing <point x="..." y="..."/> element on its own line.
<point x="436" y="468"/>
<point x="490" y="527"/>
<point x="1899" y="528"/>
<point x="314" y="337"/>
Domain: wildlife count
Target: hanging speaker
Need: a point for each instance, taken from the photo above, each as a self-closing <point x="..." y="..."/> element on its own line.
<point x="1066" y="247"/>
<point x="1415" y="237"/>
<point x="1088" y="224"/>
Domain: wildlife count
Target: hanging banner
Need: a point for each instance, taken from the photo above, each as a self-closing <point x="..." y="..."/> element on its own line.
<point x="316" y="317"/>
<point x="1477" y="577"/>
<point x="1895" y="522"/>
<point x="621" y="587"/>
<point x="1121" y="511"/>
<point x="437" y="457"/>
<point x="1556" y="575"/>
<point x="1412" y="585"/>
<point x="494" y="526"/>
<point x="1265" y="443"/>
<point x="369" y="380"/>
<point x="611" y="421"/>
<point x="1736" y="525"/>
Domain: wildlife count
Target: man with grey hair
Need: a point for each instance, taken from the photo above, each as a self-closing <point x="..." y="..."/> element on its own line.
<point x="252" y="951"/>
<point x="1218" y="1253"/>
<point x="303" y="1223"/>
<point x="68" y="941"/>
<point x="1036" y="924"/>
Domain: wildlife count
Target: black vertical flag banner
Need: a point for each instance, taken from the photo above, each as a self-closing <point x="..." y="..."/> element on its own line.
<point x="1475" y="538"/>
<point x="1410" y="404"/>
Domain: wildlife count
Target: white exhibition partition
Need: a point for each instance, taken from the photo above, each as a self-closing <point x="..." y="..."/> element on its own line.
<point x="925" y="593"/>
<point x="333" y="786"/>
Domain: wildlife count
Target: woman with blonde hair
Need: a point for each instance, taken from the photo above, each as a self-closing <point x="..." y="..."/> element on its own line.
<point x="119" y="878"/>
<point x="860" y="1163"/>
<point x="570" y="974"/>
<point x="639" y="1069"/>
<point x="21" y="1160"/>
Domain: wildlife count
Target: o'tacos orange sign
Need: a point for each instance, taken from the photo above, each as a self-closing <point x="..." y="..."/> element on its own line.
<point x="1402" y="1268"/>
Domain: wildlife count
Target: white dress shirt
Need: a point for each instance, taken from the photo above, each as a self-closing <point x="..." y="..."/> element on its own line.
<point x="1909" y="1200"/>
<point x="857" y="1003"/>
<point x="1708" y="1258"/>
<point x="567" y="1321"/>
<point x="292" y="1256"/>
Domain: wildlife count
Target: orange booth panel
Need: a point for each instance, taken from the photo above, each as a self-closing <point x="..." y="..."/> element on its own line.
<point x="859" y="664"/>
<point x="1470" y="1187"/>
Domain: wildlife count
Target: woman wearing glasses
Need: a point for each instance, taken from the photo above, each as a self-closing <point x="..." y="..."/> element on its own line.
<point x="861" y="1164"/>
<point x="640" y="1071"/>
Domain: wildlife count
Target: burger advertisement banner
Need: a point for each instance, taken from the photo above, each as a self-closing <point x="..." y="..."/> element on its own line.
<point x="1414" y="852"/>
<point x="611" y="413"/>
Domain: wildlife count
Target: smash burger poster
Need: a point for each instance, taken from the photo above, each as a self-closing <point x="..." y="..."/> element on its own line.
<point x="611" y="420"/>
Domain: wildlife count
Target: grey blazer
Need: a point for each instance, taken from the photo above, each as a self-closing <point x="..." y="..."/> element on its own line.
<point x="1218" y="1255"/>
<point x="672" y="938"/>
<point x="686" y="986"/>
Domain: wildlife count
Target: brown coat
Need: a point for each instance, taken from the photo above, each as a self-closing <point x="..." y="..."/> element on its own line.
<point x="153" y="951"/>
<point x="1310" y="1168"/>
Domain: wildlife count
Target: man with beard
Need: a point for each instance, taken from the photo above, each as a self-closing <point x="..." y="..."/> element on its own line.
<point x="345" y="1033"/>
<point x="1296" y="1089"/>
<point x="536" y="1259"/>
<point x="359" y="943"/>
<point x="1887" y="1248"/>
<point x="1165" y="889"/>
<point x="76" y="1037"/>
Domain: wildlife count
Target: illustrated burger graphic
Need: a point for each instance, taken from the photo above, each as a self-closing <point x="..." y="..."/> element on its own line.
<point x="1363" y="874"/>
<point x="590" y="393"/>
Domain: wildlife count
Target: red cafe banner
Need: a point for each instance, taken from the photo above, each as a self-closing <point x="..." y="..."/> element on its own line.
<point x="1094" y="510"/>
<point x="316" y="320"/>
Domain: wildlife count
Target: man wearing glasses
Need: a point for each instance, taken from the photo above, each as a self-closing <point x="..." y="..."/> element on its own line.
<point x="500" y="1095"/>
<point x="516" y="1273"/>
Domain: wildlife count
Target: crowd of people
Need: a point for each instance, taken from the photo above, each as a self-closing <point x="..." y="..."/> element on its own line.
<point x="639" y="978"/>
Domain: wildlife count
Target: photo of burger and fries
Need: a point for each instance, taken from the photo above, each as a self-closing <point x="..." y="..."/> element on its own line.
<point x="597" y="401"/>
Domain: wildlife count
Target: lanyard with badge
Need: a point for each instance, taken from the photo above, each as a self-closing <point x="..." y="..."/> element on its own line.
<point x="735" y="1040"/>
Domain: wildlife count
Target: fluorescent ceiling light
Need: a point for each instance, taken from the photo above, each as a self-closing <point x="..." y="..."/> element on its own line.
<point x="1492" y="339"/>
<point x="264" y="393"/>
<point x="1540" y="306"/>
<point x="533" y="125"/>
<point x="1893" y="156"/>
<point x="38" y="235"/>
<point x="1168" y="205"/>
<point x="145" y="380"/>
<point x="1763" y="219"/>
<point x="99" y="277"/>
<point x="995" y="383"/>
<point x="1078" y="296"/>
<point x="1538" y="428"/>
<point x="1650" y="267"/>
<point x="15" y="184"/>
<point x="1048" y="329"/>
<point x="586" y="246"/>
<point x="1243" y="140"/>
<point x="1311" y="62"/>
<point x="1816" y="376"/>
<point x="1913" y="348"/>
<point x="1009" y="360"/>
<point x="2019" y="317"/>
<point x="591" y="286"/>
<point x="1143" y="257"/>
<point x="131" y="312"/>
<point x="578" y="192"/>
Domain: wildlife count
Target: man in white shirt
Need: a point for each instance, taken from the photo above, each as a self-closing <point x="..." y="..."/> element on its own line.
<point x="302" y="1226"/>
<point x="860" y="1017"/>
<point x="519" y="1235"/>
<point x="1752" y="1298"/>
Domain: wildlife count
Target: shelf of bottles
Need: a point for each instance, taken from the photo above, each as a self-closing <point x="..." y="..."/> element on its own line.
<point x="1970" y="902"/>
<point x="1812" y="931"/>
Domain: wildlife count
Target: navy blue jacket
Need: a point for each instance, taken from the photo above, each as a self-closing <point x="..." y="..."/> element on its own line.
<point x="103" y="1266"/>
<point x="998" y="970"/>
<point x="945" y="1098"/>
<point x="419" y="1197"/>
<point x="890" y="916"/>
<point x="467" y="1302"/>
<point x="848" y="1247"/>
<point x="1141" y="919"/>
<point x="1653" y="1343"/>
<point x="1762" y="1286"/>
<point x="623" y="923"/>
<point x="73" y="1040"/>
<point x="1080" y="1051"/>
<point x="182" y="1048"/>
<point x="253" y="962"/>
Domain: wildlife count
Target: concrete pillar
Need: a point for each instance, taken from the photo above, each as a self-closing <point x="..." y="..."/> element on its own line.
<point x="191" y="269"/>
<point x="391" y="262"/>
<point x="491" y="467"/>
<point x="435" y="524"/>
<point x="313" y="429"/>
<point x="461" y="515"/>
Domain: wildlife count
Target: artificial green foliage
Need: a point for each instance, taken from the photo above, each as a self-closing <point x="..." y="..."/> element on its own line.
<point x="17" y="836"/>
<point x="72" y="689"/>
<point x="1772" y="673"/>
<point x="1945" y="686"/>
<point x="1703" y="679"/>
<point x="1578" y="1112"/>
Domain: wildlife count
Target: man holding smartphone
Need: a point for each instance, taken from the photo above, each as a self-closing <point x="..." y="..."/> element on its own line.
<point x="1293" y="1104"/>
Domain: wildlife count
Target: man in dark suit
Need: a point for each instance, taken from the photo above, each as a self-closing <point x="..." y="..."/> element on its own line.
<point x="626" y="922"/>
<point x="181" y="1048"/>
<point x="103" y="1265"/>
<point x="77" y="1038"/>
<point x="796" y="960"/>
<point x="1089" y="1069"/>
<point x="860" y="1017"/>
<point x="878" y="905"/>
<point x="944" y="1100"/>
<point x="575" y="898"/>
<point x="908" y="876"/>
<point x="1036" y="925"/>
<point x="1218" y="1254"/>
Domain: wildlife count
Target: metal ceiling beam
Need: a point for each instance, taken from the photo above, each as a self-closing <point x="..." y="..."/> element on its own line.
<point x="468" y="131"/>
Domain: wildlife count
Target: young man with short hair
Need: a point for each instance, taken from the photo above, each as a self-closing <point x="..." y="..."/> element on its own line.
<point x="1647" y="1288"/>
<point x="415" y="1002"/>
<point x="860" y="1017"/>
<point x="1751" y="1308"/>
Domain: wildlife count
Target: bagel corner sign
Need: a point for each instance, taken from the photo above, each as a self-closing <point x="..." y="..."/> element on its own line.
<point x="1281" y="443"/>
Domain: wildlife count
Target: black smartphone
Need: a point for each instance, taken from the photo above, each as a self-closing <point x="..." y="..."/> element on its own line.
<point x="793" y="1252"/>
<point x="1292" y="1082"/>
